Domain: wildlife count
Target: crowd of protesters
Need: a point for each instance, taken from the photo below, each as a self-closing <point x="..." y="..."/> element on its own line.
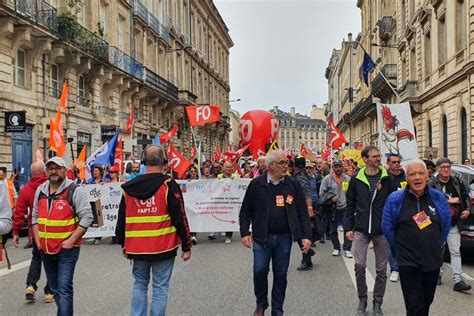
<point x="384" y="208"/>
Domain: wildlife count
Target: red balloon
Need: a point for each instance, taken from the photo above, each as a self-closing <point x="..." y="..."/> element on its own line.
<point x="258" y="128"/>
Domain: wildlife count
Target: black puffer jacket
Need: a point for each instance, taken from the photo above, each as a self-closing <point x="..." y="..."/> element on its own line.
<point x="255" y="210"/>
<point x="362" y="214"/>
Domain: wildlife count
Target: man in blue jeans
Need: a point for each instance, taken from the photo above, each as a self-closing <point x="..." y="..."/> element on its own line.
<point x="275" y="206"/>
<point x="151" y="225"/>
<point x="61" y="215"/>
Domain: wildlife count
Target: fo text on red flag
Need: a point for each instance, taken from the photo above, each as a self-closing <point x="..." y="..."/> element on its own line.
<point x="203" y="114"/>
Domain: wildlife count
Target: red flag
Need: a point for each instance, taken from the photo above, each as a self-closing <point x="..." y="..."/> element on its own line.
<point x="336" y="137"/>
<point x="64" y="96"/>
<point x="229" y="147"/>
<point x="203" y="114"/>
<point x="233" y="156"/>
<point x="303" y="151"/>
<point x="130" y="120"/>
<point x="193" y="152"/>
<point x="239" y="171"/>
<point x="168" y="136"/>
<point x="118" y="162"/>
<point x="326" y="152"/>
<point x="177" y="162"/>
<point x="217" y="155"/>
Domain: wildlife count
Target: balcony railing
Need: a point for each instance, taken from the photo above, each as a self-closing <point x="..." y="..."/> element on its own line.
<point x="71" y="31"/>
<point x="161" y="84"/>
<point x="380" y="87"/>
<point x="154" y="24"/>
<point x="38" y="11"/>
<point x="164" y="33"/>
<point x="140" y="11"/>
<point x="126" y="63"/>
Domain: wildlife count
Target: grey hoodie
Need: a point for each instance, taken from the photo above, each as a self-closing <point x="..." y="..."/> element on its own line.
<point x="5" y="211"/>
<point x="79" y="199"/>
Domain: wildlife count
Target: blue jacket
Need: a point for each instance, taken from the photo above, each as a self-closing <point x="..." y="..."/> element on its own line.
<point x="393" y="207"/>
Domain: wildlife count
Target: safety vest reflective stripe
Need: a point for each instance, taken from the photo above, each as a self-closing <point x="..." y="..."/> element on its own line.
<point x="56" y="222"/>
<point x="150" y="233"/>
<point x="147" y="219"/>
<point x="54" y="235"/>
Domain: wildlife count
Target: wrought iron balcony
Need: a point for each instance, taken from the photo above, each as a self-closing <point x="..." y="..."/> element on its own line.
<point x="164" y="33"/>
<point x="72" y="32"/>
<point x="38" y="11"/>
<point x="154" y="24"/>
<point x="380" y="86"/>
<point x="161" y="85"/>
<point x="386" y="25"/>
<point x="126" y="63"/>
<point x="140" y="11"/>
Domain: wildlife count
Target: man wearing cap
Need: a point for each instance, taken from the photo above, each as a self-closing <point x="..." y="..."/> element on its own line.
<point x="459" y="203"/>
<point x="302" y="178"/>
<point x="333" y="202"/>
<point x="61" y="215"/>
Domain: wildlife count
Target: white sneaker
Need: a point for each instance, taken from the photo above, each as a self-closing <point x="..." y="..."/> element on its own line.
<point x="336" y="252"/>
<point x="228" y="240"/>
<point x="394" y="276"/>
<point x="348" y="254"/>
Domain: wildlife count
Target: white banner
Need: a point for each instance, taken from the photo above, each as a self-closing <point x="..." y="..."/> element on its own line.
<point x="213" y="205"/>
<point x="109" y="195"/>
<point x="396" y="131"/>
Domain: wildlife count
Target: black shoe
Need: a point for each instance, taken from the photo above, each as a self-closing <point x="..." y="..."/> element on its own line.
<point x="311" y="252"/>
<point x="461" y="286"/>
<point x="361" y="309"/>
<point x="28" y="245"/>
<point x="322" y="240"/>
<point x="304" y="266"/>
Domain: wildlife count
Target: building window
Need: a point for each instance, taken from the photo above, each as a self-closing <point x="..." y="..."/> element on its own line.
<point x="463" y="134"/>
<point x="460" y="25"/>
<point x="19" y="72"/>
<point x="403" y="12"/>
<point x="103" y="16"/>
<point x="442" y="41"/>
<point x="427" y="52"/>
<point x="120" y="28"/>
<point x="445" y="135"/>
<point x="80" y="14"/>
<point x="54" y="87"/>
<point x="430" y="134"/>
<point x="84" y="139"/>
<point x="81" y="91"/>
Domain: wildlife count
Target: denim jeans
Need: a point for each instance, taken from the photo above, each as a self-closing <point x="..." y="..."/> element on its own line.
<point x="34" y="272"/>
<point x="360" y="246"/>
<point x="335" y="221"/>
<point x="278" y="249"/>
<point x="60" y="273"/>
<point x="392" y="261"/>
<point x="161" y="271"/>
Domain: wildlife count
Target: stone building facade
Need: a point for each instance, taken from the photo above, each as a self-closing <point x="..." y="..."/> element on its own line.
<point x="297" y="129"/>
<point x="155" y="56"/>
<point x="424" y="48"/>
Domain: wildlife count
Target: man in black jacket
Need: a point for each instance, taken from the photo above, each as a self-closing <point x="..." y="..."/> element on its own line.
<point x="366" y="196"/>
<point x="151" y="225"/>
<point x="275" y="207"/>
<point x="459" y="203"/>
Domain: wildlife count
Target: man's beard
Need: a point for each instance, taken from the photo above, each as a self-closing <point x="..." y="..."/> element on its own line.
<point x="58" y="181"/>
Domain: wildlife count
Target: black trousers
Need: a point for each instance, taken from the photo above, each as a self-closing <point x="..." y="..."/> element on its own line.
<point x="34" y="273"/>
<point x="418" y="289"/>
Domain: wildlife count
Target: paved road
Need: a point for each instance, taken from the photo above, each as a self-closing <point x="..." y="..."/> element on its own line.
<point x="218" y="281"/>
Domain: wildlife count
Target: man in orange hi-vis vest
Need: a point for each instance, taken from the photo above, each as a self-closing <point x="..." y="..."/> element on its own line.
<point x="61" y="215"/>
<point x="12" y="194"/>
<point x="151" y="226"/>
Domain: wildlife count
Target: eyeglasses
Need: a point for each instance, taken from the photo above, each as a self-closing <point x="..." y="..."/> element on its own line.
<point x="281" y="162"/>
<point x="396" y="161"/>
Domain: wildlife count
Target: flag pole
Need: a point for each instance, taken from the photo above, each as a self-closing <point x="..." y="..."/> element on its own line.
<point x="381" y="73"/>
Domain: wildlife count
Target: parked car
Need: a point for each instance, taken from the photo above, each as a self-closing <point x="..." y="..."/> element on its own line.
<point x="466" y="174"/>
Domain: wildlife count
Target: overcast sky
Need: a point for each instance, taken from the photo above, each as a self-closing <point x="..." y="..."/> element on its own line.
<point x="281" y="49"/>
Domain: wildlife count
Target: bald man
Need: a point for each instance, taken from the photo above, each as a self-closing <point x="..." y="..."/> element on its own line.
<point x="24" y="207"/>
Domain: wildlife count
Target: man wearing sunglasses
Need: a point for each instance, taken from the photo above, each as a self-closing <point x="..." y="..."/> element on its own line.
<point x="275" y="206"/>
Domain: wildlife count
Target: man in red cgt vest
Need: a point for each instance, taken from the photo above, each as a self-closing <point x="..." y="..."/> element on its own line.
<point x="61" y="215"/>
<point x="151" y="226"/>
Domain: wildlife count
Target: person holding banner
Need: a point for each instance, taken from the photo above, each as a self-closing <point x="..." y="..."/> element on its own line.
<point x="229" y="173"/>
<point x="151" y="225"/>
<point x="275" y="207"/>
